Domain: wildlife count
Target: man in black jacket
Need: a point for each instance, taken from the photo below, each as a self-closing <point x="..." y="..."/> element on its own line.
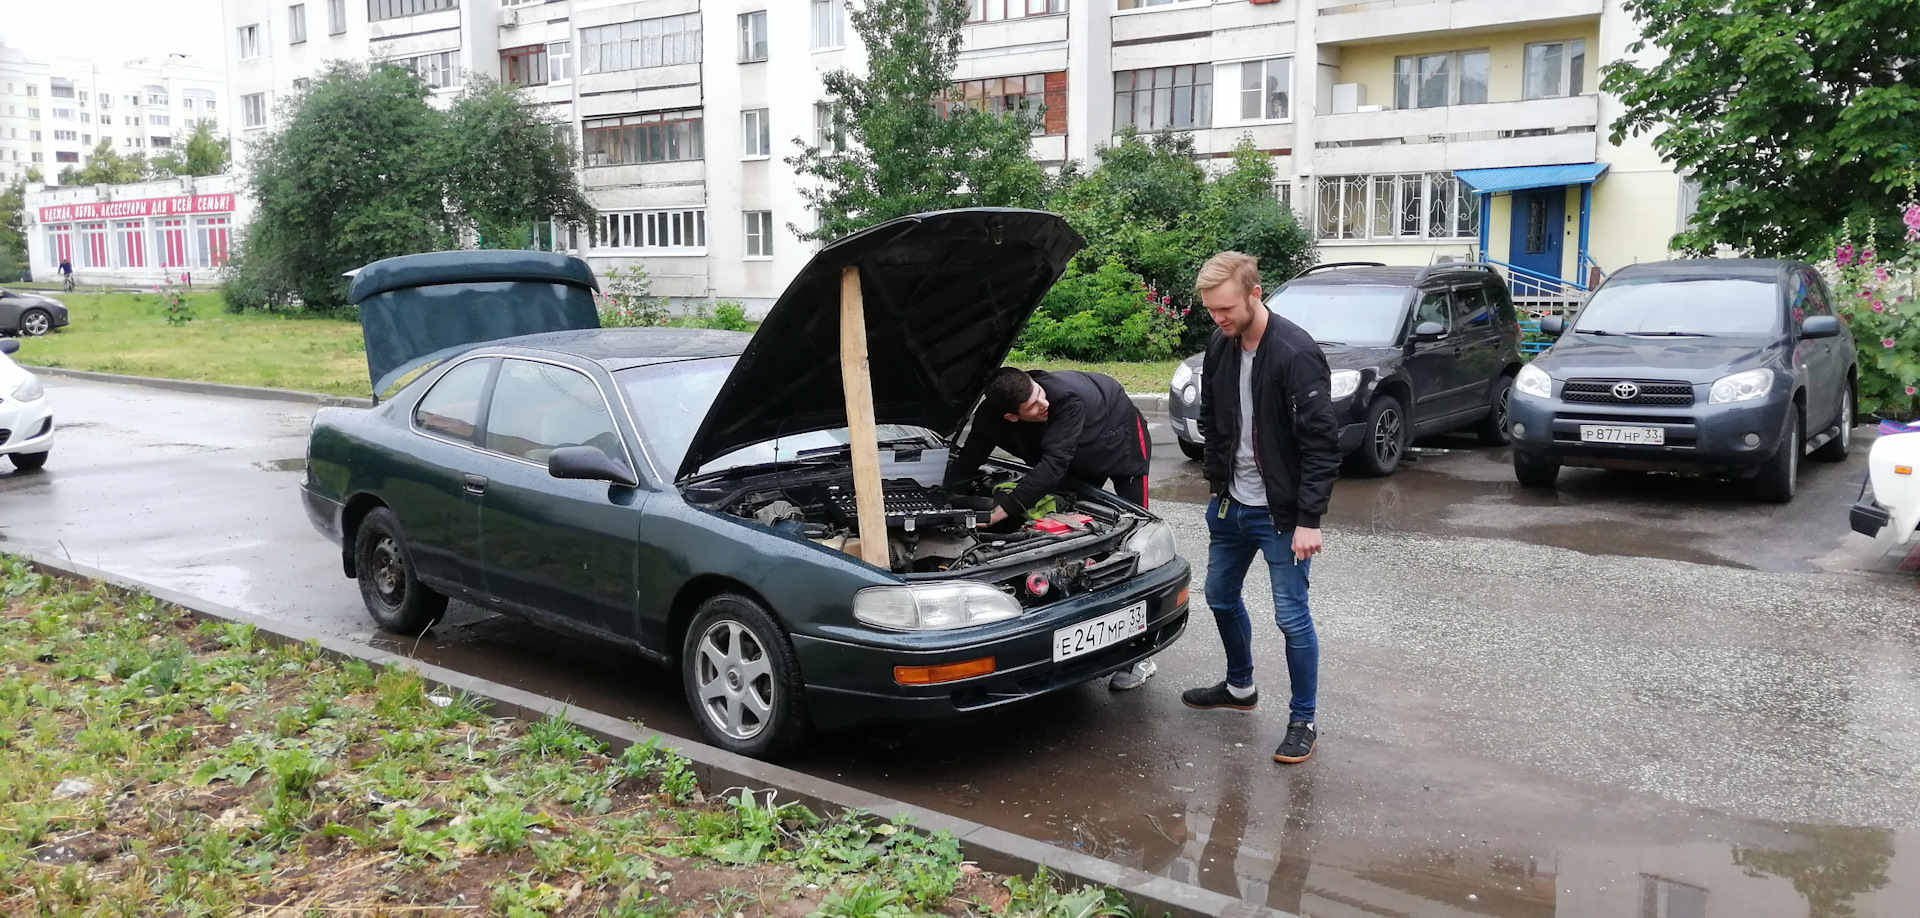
<point x="1271" y="458"/>
<point x="1064" y="424"/>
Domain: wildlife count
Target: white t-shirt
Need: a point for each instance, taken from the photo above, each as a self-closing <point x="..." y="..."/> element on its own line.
<point x="1247" y="486"/>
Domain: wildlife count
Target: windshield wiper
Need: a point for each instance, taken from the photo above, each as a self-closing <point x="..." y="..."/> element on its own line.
<point x="1593" y="331"/>
<point x="1670" y="334"/>
<point x="1332" y="343"/>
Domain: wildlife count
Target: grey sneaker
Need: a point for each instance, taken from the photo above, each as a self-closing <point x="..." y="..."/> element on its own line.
<point x="1133" y="678"/>
<point x="1298" y="744"/>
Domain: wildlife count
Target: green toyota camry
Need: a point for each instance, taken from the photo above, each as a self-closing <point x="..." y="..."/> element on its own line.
<point x="688" y="494"/>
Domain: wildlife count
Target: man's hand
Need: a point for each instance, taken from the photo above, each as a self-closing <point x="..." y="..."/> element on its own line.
<point x="998" y="516"/>
<point x="1306" y="543"/>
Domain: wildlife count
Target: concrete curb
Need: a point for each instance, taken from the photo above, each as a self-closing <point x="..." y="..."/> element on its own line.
<point x="207" y="388"/>
<point x="993" y="849"/>
<point x="1155" y="404"/>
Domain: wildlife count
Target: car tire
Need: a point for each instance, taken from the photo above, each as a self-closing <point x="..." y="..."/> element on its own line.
<point x="35" y="322"/>
<point x="395" y="598"/>
<point x="1781" y="474"/>
<point x="1387" y="436"/>
<point x="737" y="665"/>
<point x="1534" y="471"/>
<point x="1836" y="449"/>
<point x="1497" y="429"/>
<point x="1195" y="451"/>
<point x="30" y="462"/>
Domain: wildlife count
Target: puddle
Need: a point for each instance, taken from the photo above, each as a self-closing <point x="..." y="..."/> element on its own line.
<point x="282" y="465"/>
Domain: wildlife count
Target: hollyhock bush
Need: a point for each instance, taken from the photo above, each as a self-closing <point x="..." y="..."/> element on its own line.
<point x="1877" y="296"/>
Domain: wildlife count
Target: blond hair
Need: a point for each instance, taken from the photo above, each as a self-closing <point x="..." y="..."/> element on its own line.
<point x="1229" y="266"/>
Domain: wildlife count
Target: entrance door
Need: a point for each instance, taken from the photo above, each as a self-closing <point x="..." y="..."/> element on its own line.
<point x="1539" y="232"/>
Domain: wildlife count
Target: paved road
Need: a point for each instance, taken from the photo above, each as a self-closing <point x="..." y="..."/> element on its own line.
<point x="1632" y="690"/>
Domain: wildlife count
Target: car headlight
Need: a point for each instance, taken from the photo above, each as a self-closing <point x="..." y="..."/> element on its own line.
<point x="1191" y="394"/>
<point x="1182" y="374"/>
<point x="1343" y="384"/>
<point x="1741" y="387"/>
<point x="1532" y="380"/>
<point x="1153" y="543"/>
<point x="933" y="606"/>
<point x="30" y="390"/>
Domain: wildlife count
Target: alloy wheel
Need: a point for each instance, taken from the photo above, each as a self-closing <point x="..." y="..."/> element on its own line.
<point x="35" y="323"/>
<point x="1386" y="438"/>
<point x="1846" y="422"/>
<point x="735" y="680"/>
<point x="1502" y="408"/>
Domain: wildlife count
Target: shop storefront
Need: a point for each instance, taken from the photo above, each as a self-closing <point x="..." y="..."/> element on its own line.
<point x="150" y="239"/>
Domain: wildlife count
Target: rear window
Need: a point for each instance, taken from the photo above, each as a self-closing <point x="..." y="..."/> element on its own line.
<point x="1683" y="306"/>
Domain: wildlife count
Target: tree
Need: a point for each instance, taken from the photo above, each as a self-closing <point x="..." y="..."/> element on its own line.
<point x="106" y="166"/>
<point x="200" y="151"/>
<point x="908" y="146"/>
<point x="13" y="229"/>
<point x="1792" y="117"/>
<point x="508" y="163"/>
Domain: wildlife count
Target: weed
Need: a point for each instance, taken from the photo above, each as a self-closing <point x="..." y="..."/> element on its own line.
<point x="864" y="900"/>
<point x="553" y="735"/>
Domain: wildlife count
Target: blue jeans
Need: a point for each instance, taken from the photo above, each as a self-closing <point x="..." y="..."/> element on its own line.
<point x="1234" y="536"/>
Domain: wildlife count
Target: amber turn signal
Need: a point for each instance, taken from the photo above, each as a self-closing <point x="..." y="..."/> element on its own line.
<point x="1180" y="598"/>
<point x="1903" y="470"/>
<point x="944" y="672"/>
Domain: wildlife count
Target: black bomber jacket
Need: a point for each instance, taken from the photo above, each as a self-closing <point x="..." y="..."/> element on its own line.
<point x="1295" y="442"/>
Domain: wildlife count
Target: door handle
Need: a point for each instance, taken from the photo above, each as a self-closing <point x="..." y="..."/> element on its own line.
<point x="473" y="484"/>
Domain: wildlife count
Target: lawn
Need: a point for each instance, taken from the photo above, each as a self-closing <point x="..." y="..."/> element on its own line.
<point x="1145" y="378"/>
<point x="128" y="333"/>
<point x="155" y="765"/>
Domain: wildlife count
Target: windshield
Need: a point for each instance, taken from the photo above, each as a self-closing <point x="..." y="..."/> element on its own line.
<point x="1344" y="315"/>
<point x="1682" y="306"/>
<point x="671" y="399"/>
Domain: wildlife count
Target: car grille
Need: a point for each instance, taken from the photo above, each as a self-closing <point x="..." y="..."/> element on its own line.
<point x="1645" y="392"/>
<point x="5" y="435"/>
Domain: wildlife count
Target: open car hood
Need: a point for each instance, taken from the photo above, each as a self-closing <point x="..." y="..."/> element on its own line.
<point x="946" y="294"/>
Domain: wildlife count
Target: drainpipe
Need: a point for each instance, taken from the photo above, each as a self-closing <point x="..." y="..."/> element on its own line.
<point x="1486" y="214"/>
<point x="1586" y="216"/>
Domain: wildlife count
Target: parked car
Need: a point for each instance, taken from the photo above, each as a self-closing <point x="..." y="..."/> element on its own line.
<point x="26" y="417"/>
<point x="1414" y="352"/>
<point x="1894" y="504"/>
<point x="30" y="314"/>
<point x="688" y="493"/>
<point x="1730" y="367"/>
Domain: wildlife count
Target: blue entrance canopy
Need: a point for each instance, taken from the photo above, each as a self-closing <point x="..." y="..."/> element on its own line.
<point x="1522" y="178"/>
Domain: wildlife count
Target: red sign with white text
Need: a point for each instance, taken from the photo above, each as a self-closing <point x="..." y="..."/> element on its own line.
<point x="143" y="207"/>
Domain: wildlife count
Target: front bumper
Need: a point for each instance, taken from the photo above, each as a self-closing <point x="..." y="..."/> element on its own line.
<point x="1699" y="437"/>
<point x="851" y="682"/>
<point x="26" y="427"/>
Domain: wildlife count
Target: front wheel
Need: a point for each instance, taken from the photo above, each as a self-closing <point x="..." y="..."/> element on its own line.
<point x="1195" y="451"/>
<point x="1781" y="475"/>
<point x="35" y="322"/>
<point x="1836" y="449"/>
<point x="1388" y="434"/>
<point x="742" y="678"/>
<point x="1497" y="429"/>
<point x="1534" y="471"/>
<point x="396" y="599"/>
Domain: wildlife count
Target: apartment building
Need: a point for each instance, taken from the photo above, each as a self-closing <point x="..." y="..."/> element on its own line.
<point x="1403" y="131"/>
<point x="53" y="113"/>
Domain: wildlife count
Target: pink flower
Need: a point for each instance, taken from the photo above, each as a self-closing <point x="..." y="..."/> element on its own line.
<point x="1880" y="274"/>
<point x="1843" y="255"/>
<point x="1866" y="256"/>
<point x="1166" y="299"/>
<point x="1864" y="294"/>
<point x="1912" y="219"/>
<point x="1886" y="342"/>
<point x="1879" y="306"/>
<point x="1909" y="390"/>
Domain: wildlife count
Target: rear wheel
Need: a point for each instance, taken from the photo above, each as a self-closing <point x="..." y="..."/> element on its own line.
<point x="1387" y="436"/>
<point x="35" y="322"/>
<point x="30" y="462"/>
<point x="1534" y="471"/>
<point x="1835" y="450"/>
<point x="1497" y="429"/>
<point x="1777" y="479"/>
<point x="1195" y="451"/>
<point x="395" y="598"/>
<point x="742" y="678"/>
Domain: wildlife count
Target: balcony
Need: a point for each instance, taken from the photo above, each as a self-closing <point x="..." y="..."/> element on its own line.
<point x="1357" y="21"/>
<point x="1459" y="137"/>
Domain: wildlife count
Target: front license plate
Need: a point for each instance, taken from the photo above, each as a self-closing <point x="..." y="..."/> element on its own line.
<point x="1089" y="636"/>
<point x="1639" y="436"/>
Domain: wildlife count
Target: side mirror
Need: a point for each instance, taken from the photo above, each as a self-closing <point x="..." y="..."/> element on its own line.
<point x="588" y="463"/>
<point x="1429" y="331"/>
<point x="9" y="346"/>
<point x="1820" y="327"/>
<point x="1553" y="326"/>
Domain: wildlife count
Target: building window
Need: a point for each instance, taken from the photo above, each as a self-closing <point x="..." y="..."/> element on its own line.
<point x="756" y="131"/>
<point x="160" y="121"/>
<point x="33" y="136"/>
<point x="296" y="23"/>
<point x="759" y="233"/>
<point x="440" y="70"/>
<point x="253" y="110"/>
<point x="1164" y="98"/>
<point x="753" y="37"/>
<point x="1264" y="86"/>
<point x="1433" y="80"/>
<point x="394" y="9"/>
<point x="559" y="61"/>
<point x="66" y="156"/>
<point x="828" y="131"/>
<point x="1143" y="4"/>
<point x="129" y="243"/>
<point x="63" y="114"/>
<point x="1431" y="205"/>
<point x="336" y="16"/>
<point x="300" y="84"/>
<point x="63" y="135"/>
<point x="655" y="137"/>
<point x="1004" y="95"/>
<point x="132" y="121"/>
<point x="33" y="114"/>
<point x="525" y="66"/>
<point x="829" y="24"/>
<point x="88" y="138"/>
<point x="87" y="118"/>
<point x="1555" y="68"/>
<point x="32" y="90"/>
<point x="652" y="229"/>
<point x="62" y="89"/>
<point x="209" y="242"/>
<point x="996" y="10"/>
<point x="249" y="48"/>
<point x="162" y="142"/>
<point x="642" y="43"/>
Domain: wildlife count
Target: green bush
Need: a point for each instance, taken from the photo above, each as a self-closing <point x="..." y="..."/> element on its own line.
<point x="729" y="316"/>
<point x="1110" y="314"/>
<point x="629" y="300"/>
<point x="1879" y="295"/>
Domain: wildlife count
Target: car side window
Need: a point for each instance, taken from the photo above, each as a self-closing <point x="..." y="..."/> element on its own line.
<point x="1502" y="303"/>
<point x="452" y="406"/>
<point x="1470" y="307"/>
<point x="539" y="407"/>
<point x="1433" y="308"/>
<point x="1818" y="304"/>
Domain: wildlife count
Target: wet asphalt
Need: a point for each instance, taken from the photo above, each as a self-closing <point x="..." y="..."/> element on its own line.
<point x="1630" y="696"/>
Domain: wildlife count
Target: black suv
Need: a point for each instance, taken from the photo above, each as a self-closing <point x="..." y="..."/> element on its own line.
<point x="1726" y="366"/>
<point x="1414" y="352"/>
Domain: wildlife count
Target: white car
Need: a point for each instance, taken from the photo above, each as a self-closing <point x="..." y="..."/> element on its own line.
<point x="26" y="415"/>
